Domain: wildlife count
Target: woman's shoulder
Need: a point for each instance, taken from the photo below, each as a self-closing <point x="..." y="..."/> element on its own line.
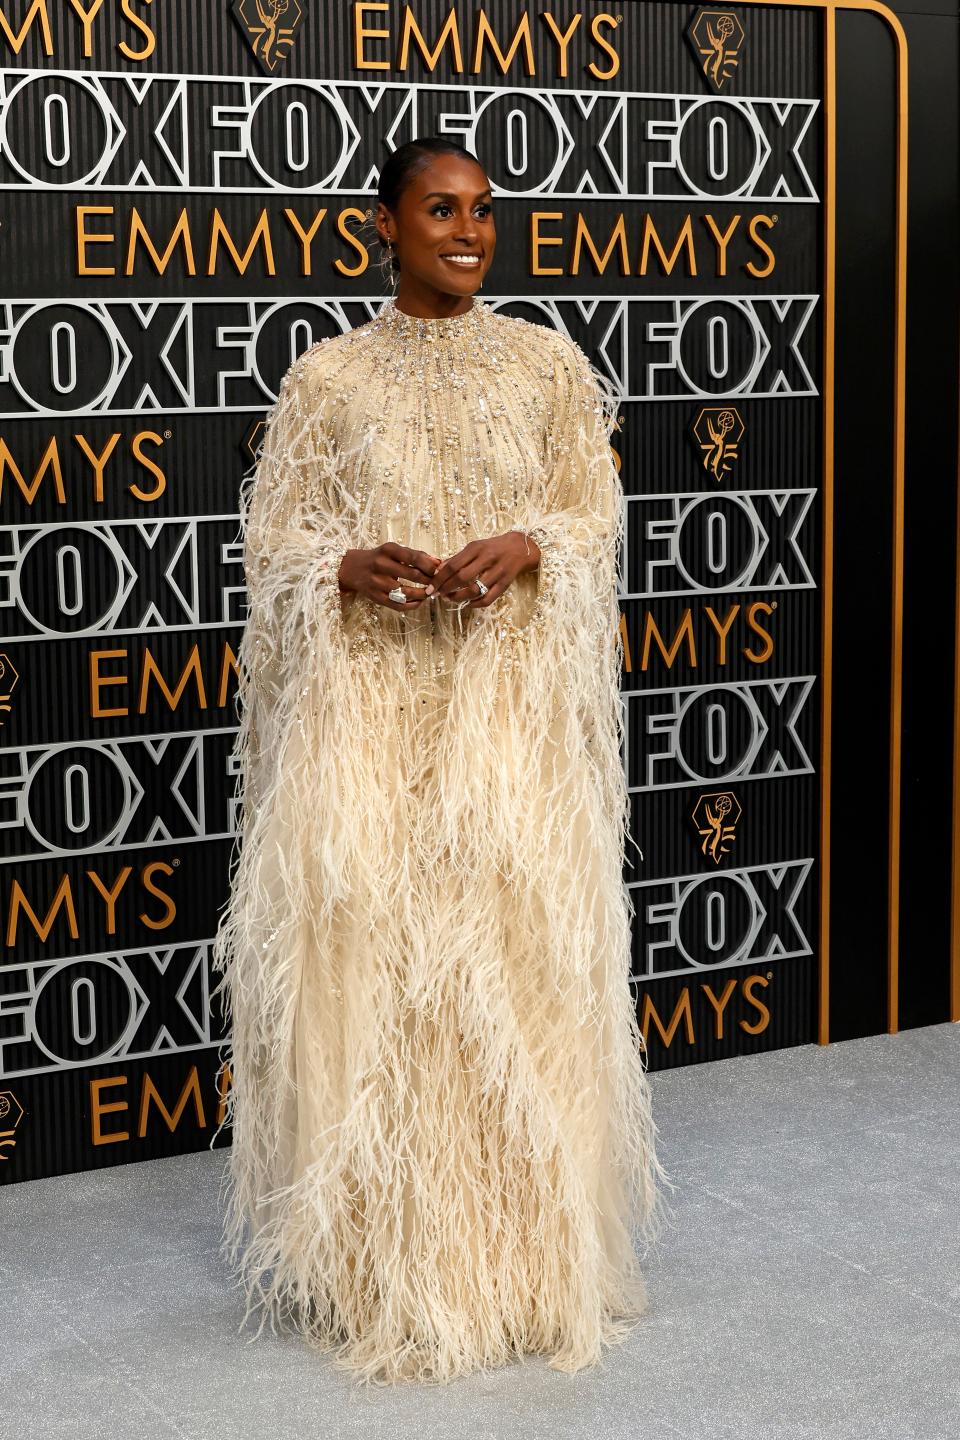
<point x="539" y="339"/>
<point x="319" y="362"/>
<point x="328" y="351"/>
<point x="568" y="373"/>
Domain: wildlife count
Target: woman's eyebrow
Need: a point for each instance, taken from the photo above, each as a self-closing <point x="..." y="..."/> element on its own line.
<point x="449" y="195"/>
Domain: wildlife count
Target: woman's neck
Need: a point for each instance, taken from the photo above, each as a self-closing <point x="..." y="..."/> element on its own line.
<point x="430" y="304"/>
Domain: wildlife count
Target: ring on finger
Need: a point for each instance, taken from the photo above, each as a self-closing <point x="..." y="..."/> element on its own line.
<point x="481" y="587"/>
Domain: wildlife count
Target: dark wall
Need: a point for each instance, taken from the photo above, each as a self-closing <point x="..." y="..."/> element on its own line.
<point x="119" y="815"/>
<point x="929" y="786"/>
<point x="872" y="990"/>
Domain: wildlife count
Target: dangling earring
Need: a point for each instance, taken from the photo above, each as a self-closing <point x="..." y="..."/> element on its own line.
<point x="393" y="271"/>
<point x="385" y="262"/>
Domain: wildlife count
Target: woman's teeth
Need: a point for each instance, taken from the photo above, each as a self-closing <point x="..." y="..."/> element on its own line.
<point x="462" y="259"/>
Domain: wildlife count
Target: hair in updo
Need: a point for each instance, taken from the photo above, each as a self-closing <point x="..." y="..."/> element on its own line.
<point x="407" y="161"/>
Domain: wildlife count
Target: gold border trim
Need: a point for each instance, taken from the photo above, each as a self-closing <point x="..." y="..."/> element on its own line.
<point x="899" y="457"/>
<point x="899" y="464"/>
<point x="874" y="7"/>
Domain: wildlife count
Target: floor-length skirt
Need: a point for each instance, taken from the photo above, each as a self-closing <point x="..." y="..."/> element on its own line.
<point x="461" y="1166"/>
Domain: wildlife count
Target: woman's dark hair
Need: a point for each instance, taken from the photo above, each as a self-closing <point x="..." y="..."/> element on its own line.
<point x="407" y="161"/>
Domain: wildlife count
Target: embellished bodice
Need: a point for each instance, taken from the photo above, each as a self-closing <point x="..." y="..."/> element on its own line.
<point x="440" y="427"/>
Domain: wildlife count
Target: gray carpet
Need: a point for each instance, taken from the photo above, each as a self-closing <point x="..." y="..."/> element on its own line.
<point x="809" y="1286"/>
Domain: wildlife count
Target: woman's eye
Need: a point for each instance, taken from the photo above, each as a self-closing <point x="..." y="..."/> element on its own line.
<point x="442" y="205"/>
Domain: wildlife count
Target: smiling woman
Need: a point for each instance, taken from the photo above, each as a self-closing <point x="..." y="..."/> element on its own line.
<point x="434" y="222"/>
<point x="443" y="1147"/>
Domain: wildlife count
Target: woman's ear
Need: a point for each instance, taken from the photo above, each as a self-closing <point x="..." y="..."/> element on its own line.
<point x="383" y="223"/>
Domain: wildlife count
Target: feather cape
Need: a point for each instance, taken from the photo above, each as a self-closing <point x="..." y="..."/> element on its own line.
<point x="443" y="1143"/>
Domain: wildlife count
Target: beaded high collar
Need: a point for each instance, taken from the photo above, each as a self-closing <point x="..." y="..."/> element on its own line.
<point x="410" y="328"/>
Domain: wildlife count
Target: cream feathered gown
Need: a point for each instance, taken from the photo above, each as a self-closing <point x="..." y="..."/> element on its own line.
<point x="443" y="1147"/>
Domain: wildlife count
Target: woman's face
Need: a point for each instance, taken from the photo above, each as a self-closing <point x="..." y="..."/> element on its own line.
<point x="443" y="212"/>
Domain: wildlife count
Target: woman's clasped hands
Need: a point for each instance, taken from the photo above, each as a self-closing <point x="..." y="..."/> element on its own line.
<point x="497" y="561"/>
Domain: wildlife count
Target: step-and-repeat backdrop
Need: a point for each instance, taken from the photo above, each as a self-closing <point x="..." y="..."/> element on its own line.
<point x="179" y="189"/>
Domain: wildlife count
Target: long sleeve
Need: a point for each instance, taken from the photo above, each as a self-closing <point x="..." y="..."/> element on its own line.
<point x="579" y="523"/>
<point x="296" y="526"/>
<point x="296" y="521"/>
<point x="576" y="518"/>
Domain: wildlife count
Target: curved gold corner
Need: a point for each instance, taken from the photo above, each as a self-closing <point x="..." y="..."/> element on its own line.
<point x="899" y="462"/>
<point x="875" y="7"/>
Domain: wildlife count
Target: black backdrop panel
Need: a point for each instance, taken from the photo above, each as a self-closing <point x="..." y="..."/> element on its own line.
<point x="929" y="823"/>
<point x="178" y="197"/>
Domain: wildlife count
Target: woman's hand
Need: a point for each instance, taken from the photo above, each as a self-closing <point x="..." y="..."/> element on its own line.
<point x="375" y="572"/>
<point x="497" y="561"/>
